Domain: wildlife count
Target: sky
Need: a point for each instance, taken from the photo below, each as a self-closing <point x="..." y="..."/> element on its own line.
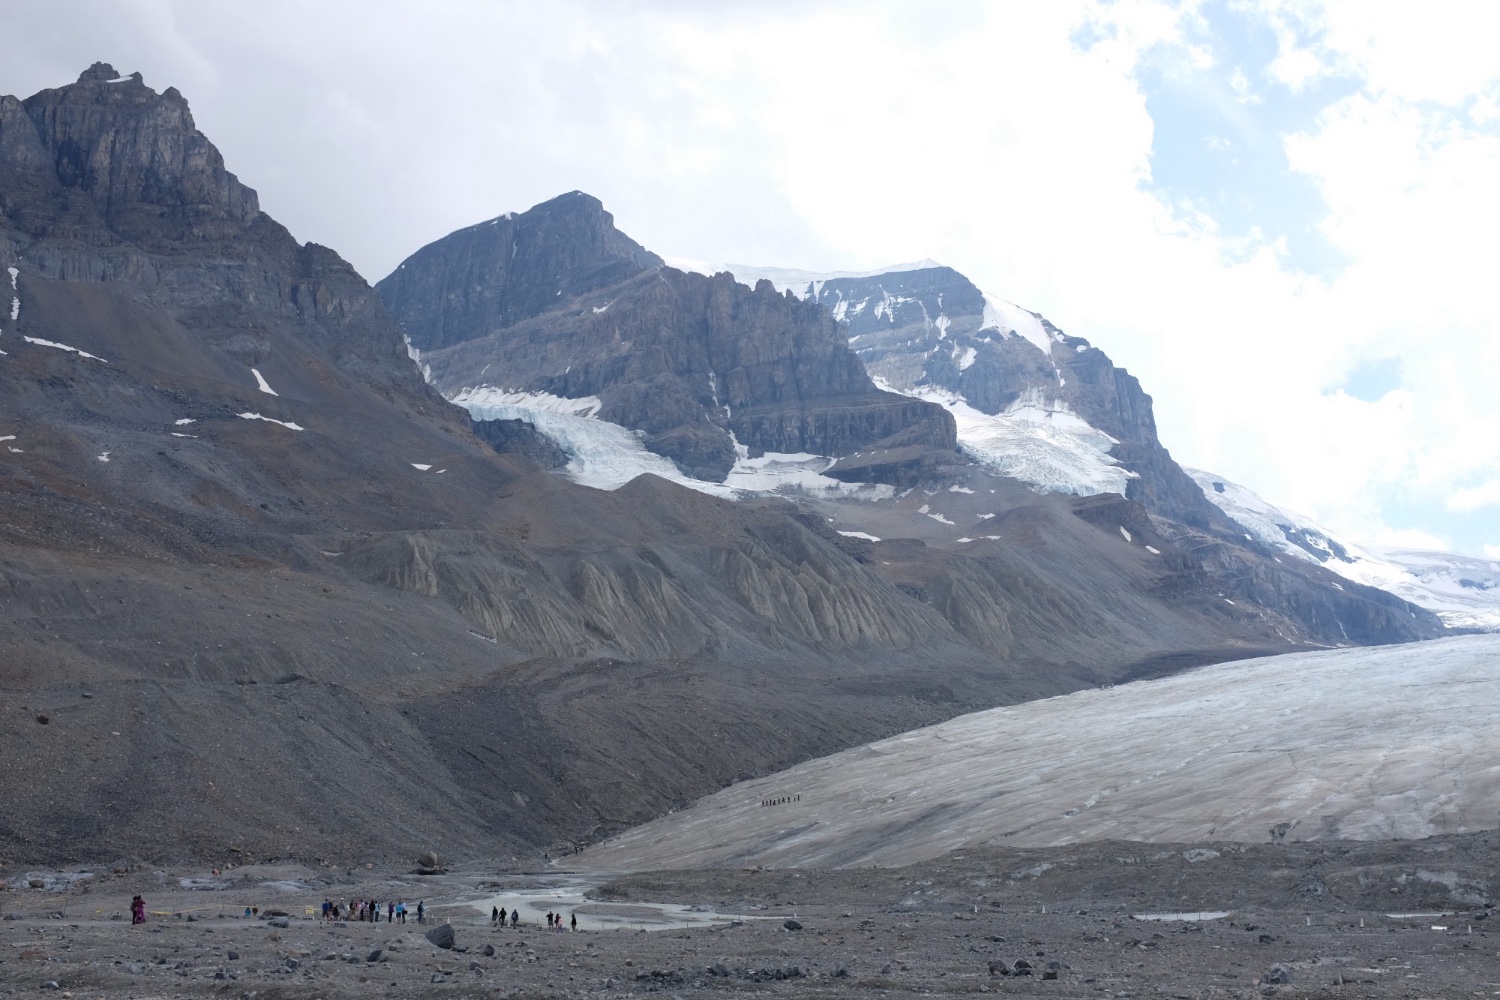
<point x="1280" y="216"/>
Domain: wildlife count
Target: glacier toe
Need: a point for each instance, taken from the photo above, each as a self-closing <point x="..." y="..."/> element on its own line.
<point x="1359" y="743"/>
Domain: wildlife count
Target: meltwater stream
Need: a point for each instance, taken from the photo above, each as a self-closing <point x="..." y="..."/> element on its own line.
<point x="532" y="897"/>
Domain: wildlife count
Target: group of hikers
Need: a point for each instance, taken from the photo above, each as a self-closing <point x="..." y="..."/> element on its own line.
<point x="395" y="912"/>
<point x="368" y="910"/>
<point x="554" y="920"/>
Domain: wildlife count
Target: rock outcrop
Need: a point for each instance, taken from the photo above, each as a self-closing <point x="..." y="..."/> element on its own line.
<point x="502" y="271"/>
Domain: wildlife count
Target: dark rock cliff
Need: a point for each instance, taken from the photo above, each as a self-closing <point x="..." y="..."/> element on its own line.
<point x="495" y="274"/>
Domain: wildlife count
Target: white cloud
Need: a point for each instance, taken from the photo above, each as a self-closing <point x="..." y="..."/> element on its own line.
<point x="1411" y="539"/>
<point x="1474" y="497"/>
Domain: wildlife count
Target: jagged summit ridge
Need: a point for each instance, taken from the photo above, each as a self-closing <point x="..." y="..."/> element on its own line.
<point x="508" y="269"/>
<point x="136" y="154"/>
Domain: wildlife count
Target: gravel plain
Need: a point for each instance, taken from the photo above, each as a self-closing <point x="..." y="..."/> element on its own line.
<point x="1398" y="919"/>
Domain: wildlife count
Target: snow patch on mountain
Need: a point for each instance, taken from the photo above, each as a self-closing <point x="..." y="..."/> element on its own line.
<point x="272" y="420"/>
<point x="38" y="341"/>
<point x="600" y="454"/>
<point x="415" y="353"/>
<point x="1037" y="441"/>
<point x="776" y="472"/>
<point x="1009" y="318"/>
<point x="1463" y="591"/>
<point x="289" y="425"/>
<point x="606" y="455"/>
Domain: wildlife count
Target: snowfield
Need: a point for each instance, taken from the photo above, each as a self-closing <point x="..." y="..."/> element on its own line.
<point x="1463" y="591"/>
<point x="606" y="455"/>
<point x="1041" y="443"/>
<point x="1360" y="743"/>
<point x="600" y="454"/>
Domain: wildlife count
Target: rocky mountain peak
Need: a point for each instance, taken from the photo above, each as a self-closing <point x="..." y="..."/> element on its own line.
<point x="556" y="301"/>
<point x="147" y="172"/>
<point x="509" y="269"/>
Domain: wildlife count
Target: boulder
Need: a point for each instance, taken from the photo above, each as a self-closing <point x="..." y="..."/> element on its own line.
<point x="1276" y="975"/>
<point x="442" y="936"/>
<point x="792" y="925"/>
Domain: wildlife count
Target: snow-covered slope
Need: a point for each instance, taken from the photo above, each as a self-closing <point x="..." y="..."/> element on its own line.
<point x="606" y="456"/>
<point x="1037" y="441"/>
<point x="1037" y="436"/>
<point x="1367" y="743"/>
<point x="1464" y="591"/>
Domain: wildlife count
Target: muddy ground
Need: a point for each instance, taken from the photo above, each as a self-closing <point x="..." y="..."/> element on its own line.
<point x="1348" y="920"/>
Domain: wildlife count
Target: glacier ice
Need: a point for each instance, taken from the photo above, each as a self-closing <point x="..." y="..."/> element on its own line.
<point x="1358" y="743"/>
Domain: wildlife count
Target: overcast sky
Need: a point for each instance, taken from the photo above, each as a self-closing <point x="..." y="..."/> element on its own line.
<point x="1281" y="216"/>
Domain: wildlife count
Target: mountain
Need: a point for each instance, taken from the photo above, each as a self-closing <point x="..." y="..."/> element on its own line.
<point x="1030" y="401"/>
<point x="261" y="581"/>
<point x="691" y="373"/>
<point x="556" y="301"/>
<point x="241" y="532"/>
<point x="1463" y="591"/>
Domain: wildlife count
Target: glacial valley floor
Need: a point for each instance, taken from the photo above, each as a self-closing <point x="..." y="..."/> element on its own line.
<point x="1397" y="919"/>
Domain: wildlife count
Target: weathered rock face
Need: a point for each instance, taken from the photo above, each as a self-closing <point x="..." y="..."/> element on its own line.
<point x="929" y="327"/>
<point x="495" y="274"/>
<point x="694" y="363"/>
<point x="138" y="158"/>
<point x="517" y="437"/>
<point x="107" y="182"/>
